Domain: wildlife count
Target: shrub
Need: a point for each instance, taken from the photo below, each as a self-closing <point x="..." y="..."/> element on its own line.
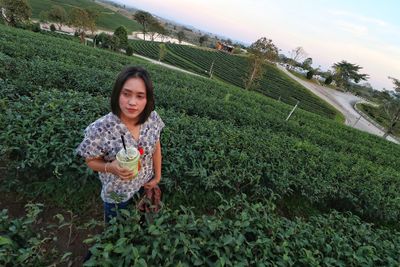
<point x="129" y="50"/>
<point x="21" y="243"/>
<point x="122" y="33"/>
<point x="114" y="43"/>
<point x="103" y="40"/>
<point x="52" y="28"/>
<point x="57" y="156"/>
<point x="243" y="233"/>
<point x="36" y="27"/>
<point x="328" y="80"/>
<point x="310" y="74"/>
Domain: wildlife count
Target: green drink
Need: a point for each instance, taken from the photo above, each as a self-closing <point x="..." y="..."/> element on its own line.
<point x="129" y="159"/>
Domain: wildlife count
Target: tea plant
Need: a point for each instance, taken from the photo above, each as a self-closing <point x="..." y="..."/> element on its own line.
<point x="243" y="234"/>
<point x="218" y="139"/>
<point x="20" y="243"/>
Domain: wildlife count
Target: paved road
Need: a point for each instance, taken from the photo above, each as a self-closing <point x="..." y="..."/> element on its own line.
<point x="344" y="102"/>
<point x="167" y="65"/>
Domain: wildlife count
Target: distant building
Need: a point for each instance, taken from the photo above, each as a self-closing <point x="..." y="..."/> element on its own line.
<point x="319" y="78"/>
<point x="299" y="70"/>
<point x="224" y="47"/>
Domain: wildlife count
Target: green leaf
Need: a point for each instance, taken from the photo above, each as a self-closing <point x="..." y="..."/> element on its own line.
<point x="227" y="240"/>
<point x="5" y="241"/>
<point x="141" y="262"/>
<point x="108" y="247"/>
<point x="65" y="256"/>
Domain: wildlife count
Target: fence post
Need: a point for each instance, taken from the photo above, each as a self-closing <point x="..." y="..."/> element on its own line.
<point x="211" y="69"/>
<point x="357" y="121"/>
<point x="291" y="112"/>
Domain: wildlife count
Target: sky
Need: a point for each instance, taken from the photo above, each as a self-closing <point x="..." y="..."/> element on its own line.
<point x="366" y="33"/>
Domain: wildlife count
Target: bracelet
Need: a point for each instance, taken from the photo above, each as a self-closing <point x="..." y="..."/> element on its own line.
<point x="105" y="167"/>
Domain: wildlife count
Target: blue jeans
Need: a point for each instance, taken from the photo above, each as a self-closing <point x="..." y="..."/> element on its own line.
<point x="111" y="209"/>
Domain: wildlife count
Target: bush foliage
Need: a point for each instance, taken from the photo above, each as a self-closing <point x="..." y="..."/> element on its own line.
<point x="219" y="140"/>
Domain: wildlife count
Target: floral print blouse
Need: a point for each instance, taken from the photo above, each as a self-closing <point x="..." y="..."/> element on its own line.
<point x="103" y="139"/>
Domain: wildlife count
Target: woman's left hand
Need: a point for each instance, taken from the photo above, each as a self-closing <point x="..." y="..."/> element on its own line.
<point x="151" y="184"/>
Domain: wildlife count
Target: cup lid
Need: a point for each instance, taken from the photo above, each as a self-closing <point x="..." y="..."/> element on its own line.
<point x="130" y="153"/>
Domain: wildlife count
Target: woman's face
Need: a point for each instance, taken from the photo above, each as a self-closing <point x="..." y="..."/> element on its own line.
<point x="132" y="99"/>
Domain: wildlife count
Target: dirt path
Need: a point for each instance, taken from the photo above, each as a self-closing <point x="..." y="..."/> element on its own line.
<point x="344" y="102"/>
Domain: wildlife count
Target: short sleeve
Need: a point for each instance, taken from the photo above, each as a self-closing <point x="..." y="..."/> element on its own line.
<point x="92" y="145"/>
<point x="159" y="125"/>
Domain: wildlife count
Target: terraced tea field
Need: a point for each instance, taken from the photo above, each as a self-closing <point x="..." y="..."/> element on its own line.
<point x="233" y="69"/>
<point x="107" y="19"/>
<point x="235" y="174"/>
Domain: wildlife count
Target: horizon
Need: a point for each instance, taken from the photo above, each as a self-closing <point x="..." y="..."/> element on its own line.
<point x="365" y="33"/>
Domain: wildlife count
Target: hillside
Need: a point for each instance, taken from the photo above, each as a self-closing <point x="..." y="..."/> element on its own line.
<point x="233" y="69"/>
<point x="240" y="185"/>
<point x="108" y="19"/>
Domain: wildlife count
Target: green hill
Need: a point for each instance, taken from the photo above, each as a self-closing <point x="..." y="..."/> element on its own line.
<point x="108" y="19"/>
<point x="233" y="69"/>
<point x="241" y="185"/>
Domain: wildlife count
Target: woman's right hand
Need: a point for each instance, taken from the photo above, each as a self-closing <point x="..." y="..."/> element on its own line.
<point x="114" y="168"/>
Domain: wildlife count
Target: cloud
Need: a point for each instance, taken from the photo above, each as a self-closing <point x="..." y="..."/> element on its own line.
<point x="355" y="29"/>
<point x="359" y="18"/>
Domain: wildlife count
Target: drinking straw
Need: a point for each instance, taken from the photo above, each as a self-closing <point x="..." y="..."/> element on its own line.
<point x="123" y="142"/>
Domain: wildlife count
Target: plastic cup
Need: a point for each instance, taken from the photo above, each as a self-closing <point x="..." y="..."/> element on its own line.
<point x="129" y="159"/>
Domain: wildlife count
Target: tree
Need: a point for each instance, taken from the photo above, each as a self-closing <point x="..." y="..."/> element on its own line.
<point x="297" y="55"/>
<point x="310" y="74"/>
<point x="155" y="28"/>
<point x="145" y="19"/>
<point x="163" y="32"/>
<point x="14" y="12"/>
<point x="203" y="39"/>
<point x="108" y="41"/>
<point x="307" y="64"/>
<point x="35" y="27"/>
<point x="345" y="73"/>
<point x="83" y="20"/>
<point x="129" y="50"/>
<point x="181" y="35"/>
<point x="162" y="52"/>
<point x="122" y="33"/>
<point x="396" y="83"/>
<point x="103" y="40"/>
<point x="58" y="15"/>
<point x="392" y="107"/>
<point x="329" y="80"/>
<point x="114" y="43"/>
<point x="43" y="16"/>
<point x="93" y="14"/>
<point x="260" y="51"/>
